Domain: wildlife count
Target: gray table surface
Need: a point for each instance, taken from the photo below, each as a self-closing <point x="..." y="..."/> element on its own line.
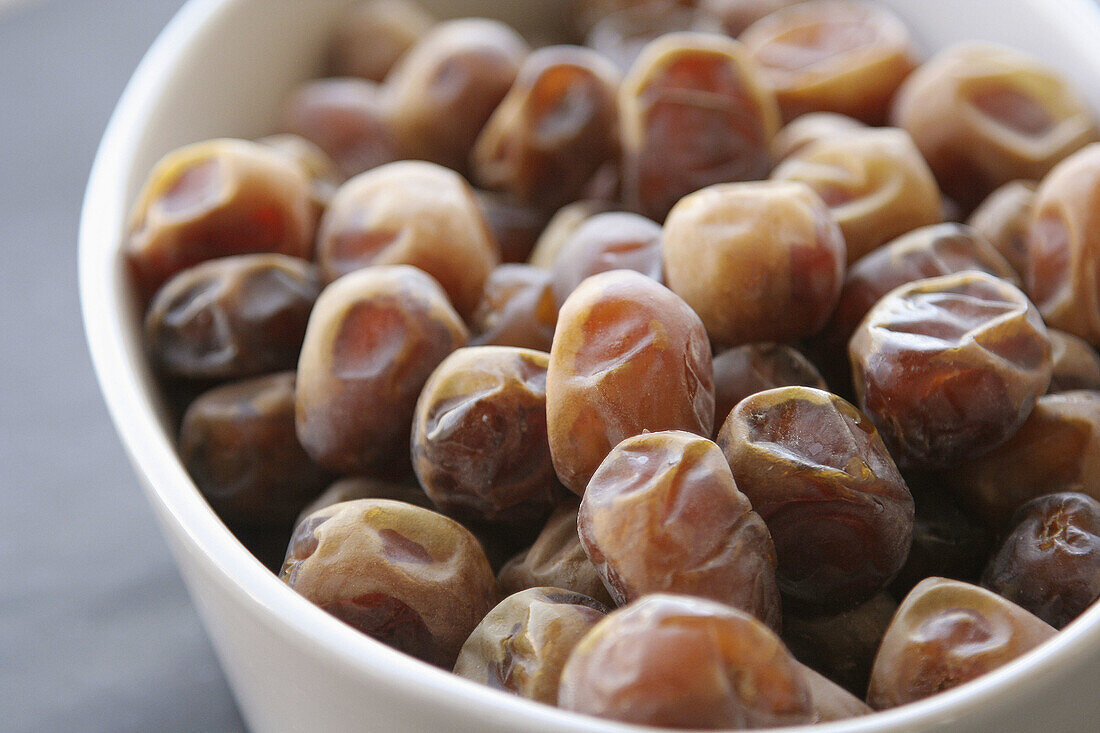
<point x="96" y="630"/>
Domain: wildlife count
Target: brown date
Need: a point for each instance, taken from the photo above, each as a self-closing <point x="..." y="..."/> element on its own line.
<point x="346" y="119"/>
<point x="1050" y="563"/>
<point x="816" y="470"/>
<point x="1063" y="246"/>
<point x="1076" y="363"/>
<point x="522" y="645"/>
<point x="832" y="56"/>
<point x="556" y="128"/>
<point x="662" y="514"/>
<point x="410" y="213"/>
<point x="479" y="442"/>
<point x="324" y="177"/>
<point x="693" y="115"/>
<point x="949" y="368"/>
<point x="620" y="36"/>
<point x="947" y="633"/>
<point x="413" y="579"/>
<point x="561" y="226"/>
<point x="830" y="700"/>
<point x="232" y="317"/>
<point x="761" y="261"/>
<point x="374" y="338"/>
<point x="682" y="662"/>
<point x="215" y="199"/>
<point x="587" y="13"/>
<point x="1056" y="449"/>
<point x="807" y="129"/>
<point x="874" y="181"/>
<point x="361" y="487"/>
<point x="629" y="356"/>
<point x="734" y="16"/>
<point x="515" y="226"/>
<point x="238" y="444"/>
<point x="947" y="541"/>
<point x="942" y="249"/>
<point x="442" y="92"/>
<point x="984" y="115"/>
<point x="842" y="647"/>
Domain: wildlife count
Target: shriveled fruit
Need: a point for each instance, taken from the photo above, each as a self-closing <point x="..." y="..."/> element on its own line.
<point x="409" y="577"/>
<point x="816" y="470"/>
<point x="944" y="634"/>
<point x="629" y="356"/>
<point x="662" y="514"/>
<point x="523" y="643"/>
<point x="950" y="367"/>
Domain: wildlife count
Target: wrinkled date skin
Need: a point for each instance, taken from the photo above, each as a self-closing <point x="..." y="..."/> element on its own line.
<point x="215" y="199"/>
<point x="1050" y="563"/>
<point x="346" y="119"/>
<point x="693" y="115"/>
<point x="518" y="309"/>
<point x="949" y="368"/>
<point x="745" y="370"/>
<point x="663" y="515"/>
<point x="361" y="487"/>
<point x="843" y="646"/>
<point x="371" y="36"/>
<point x="1063" y="246"/>
<point x="629" y="356"/>
<point x="238" y="444"/>
<point x="1003" y="220"/>
<point x="947" y="633"/>
<point x="933" y="251"/>
<point x="556" y="128"/>
<point x="408" y="577"/>
<point x="681" y="662"/>
<point x="523" y="644"/>
<point x="1056" y="449"/>
<point x="605" y="242"/>
<point x="1076" y="364"/>
<point x="410" y="213"/>
<point x="374" y="338"/>
<point x="479" y="442"/>
<point x="761" y="261"/>
<point x="832" y="56"/>
<point x="874" y="181"/>
<point x="805" y="130"/>
<point x="515" y="227"/>
<point x="444" y="90"/>
<point x="984" y="115"/>
<point x="947" y="542"/>
<point x="232" y="317"/>
<point x="556" y="559"/>
<point x="816" y="470"/>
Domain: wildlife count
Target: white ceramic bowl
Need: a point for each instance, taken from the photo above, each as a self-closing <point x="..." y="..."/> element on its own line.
<point x="221" y="68"/>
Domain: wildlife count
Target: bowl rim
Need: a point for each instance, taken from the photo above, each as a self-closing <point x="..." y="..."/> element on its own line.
<point x="117" y="362"/>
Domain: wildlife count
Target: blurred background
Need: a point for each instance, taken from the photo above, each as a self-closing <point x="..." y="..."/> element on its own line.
<point x="96" y="630"/>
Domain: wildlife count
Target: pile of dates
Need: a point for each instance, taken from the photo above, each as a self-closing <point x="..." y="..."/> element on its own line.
<point x="735" y="369"/>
